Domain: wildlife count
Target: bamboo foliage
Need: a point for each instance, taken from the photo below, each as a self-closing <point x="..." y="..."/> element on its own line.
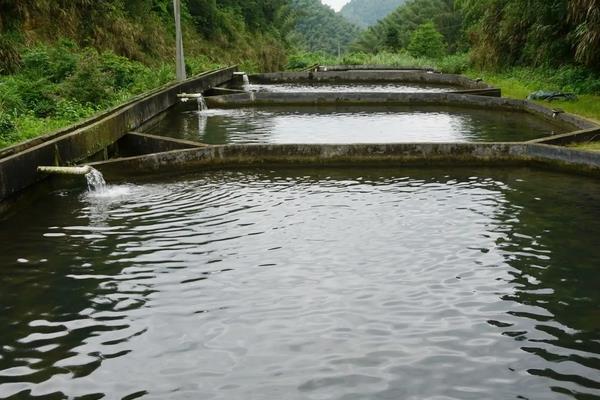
<point x="586" y="15"/>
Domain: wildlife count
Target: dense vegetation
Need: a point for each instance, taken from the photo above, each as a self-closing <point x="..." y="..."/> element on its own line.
<point x="533" y="32"/>
<point x="498" y="33"/>
<point x="63" y="61"/>
<point x="319" y="29"/>
<point x="394" y="32"/>
<point x="365" y="13"/>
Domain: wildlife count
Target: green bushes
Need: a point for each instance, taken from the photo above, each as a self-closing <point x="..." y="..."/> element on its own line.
<point x="453" y="64"/>
<point x="426" y="41"/>
<point x="56" y="86"/>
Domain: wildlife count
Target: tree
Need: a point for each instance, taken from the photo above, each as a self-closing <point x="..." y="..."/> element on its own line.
<point x="426" y="41"/>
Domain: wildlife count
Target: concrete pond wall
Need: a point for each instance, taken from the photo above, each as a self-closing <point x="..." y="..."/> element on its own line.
<point x="237" y="100"/>
<point x="387" y="76"/>
<point x="387" y="155"/>
<point x="18" y="164"/>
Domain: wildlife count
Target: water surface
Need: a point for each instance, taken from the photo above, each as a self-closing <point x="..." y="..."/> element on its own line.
<point x="348" y="125"/>
<point x="304" y="284"/>
<point x="351" y="87"/>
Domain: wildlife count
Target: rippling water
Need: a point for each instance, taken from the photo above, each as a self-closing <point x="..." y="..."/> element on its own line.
<point x="348" y="125"/>
<point x="306" y="284"/>
<point x="352" y="87"/>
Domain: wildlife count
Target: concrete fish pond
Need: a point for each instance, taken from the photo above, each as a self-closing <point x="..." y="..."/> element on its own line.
<point x="166" y="250"/>
<point x="361" y="80"/>
<point x="279" y="122"/>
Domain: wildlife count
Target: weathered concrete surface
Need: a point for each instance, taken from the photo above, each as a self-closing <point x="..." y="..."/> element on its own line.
<point x="18" y="167"/>
<point x="398" y="154"/>
<point x="564" y="158"/>
<point x="461" y="82"/>
<point x="135" y="144"/>
<point x="380" y="155"/>
<point x="397" y="99"/>
<point x="582" y="136"/>
<point x="371" y="67"/>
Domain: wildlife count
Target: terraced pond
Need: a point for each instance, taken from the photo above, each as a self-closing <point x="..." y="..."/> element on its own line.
<point x="305" y="284"/>
<point x="348" y="125"/>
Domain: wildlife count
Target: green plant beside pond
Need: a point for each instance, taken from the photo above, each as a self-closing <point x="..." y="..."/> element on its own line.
<point x="56" y="86"/>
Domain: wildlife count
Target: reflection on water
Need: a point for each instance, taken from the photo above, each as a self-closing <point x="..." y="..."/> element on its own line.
<point x="348" y="125"/>
<point x="306" y="284"/>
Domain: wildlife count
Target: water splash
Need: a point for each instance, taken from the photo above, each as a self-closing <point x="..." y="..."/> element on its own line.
<point x="95" y="181"/>
<point x="246" y="80"/>
<point x="201" y="103"/>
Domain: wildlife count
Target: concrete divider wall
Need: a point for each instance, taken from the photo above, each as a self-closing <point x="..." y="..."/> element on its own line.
<point x="371" y="76"/>
<point x="316" y="154"/>
<point x="372" y="67"/>
<point x="70" y="146"/>
<point x="582" y="136"/>
<point x="397" y="99"/>
<point x="380" y="155"/>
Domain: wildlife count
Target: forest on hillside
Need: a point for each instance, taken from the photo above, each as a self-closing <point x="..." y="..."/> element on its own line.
<point x="365" y="13"/>
<point x="319" y="28"/>
<point x="497" y="33"/>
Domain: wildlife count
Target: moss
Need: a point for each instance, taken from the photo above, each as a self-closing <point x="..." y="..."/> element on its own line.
<point x="589" y="146"/>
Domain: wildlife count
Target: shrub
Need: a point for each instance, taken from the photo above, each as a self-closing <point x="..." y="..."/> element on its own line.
<point x="7" y="125"/>
<point x="38" y="96"/>
<point x="426" y="41"/>
<point x="122" y="70"/>
<point x="454" y="64"/>
<point x="52" y="63"/>
<point x="90" y="84"/>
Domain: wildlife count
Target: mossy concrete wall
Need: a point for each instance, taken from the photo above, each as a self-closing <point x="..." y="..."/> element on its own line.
<point x="135" y="144"/>
<point x="420" y="77"/>
<point x="370" y="67"/>
<point x="582" y="136"/>
<point x="565" y="120"/>
<point x="18" y="164"/>
<point x="389" y="155"/>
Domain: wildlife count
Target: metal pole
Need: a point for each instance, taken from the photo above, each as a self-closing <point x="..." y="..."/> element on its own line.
<point x="180" y="61"/>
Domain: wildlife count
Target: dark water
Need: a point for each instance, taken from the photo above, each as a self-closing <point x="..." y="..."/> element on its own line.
<point x="330" y="284"/>
<point x="352" y="87"/>
<point x="348" y="125"/>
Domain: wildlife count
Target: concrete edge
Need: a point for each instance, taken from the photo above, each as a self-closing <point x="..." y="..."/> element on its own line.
<point x="341" y="155"/>
<point x="581" y="136"/>
<point x="568" y="121"/>
<point x="180" y="142"/>
<point x="397" y="76"/>
<point x="374" y="67"/>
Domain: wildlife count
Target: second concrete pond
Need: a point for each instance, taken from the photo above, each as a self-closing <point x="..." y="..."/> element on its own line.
<point x="349" y="124"/>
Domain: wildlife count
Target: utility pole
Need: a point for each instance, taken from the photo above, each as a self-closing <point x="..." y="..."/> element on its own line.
<point x="180" y="61"/>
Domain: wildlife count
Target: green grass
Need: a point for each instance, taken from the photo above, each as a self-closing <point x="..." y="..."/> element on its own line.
<point x="587" y="105"/>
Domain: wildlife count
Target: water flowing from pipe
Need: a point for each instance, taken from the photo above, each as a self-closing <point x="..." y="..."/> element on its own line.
<point x="246" y="80"/>
<point x="201" y="103"/>
<point x="95" y="180"/>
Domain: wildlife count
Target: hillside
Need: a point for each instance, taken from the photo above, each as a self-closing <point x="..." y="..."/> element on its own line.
<point x="394" y="32"/>
<point x="365" y="13"/>
<point x="319" y="29"/>
<point x="64" y="61"/>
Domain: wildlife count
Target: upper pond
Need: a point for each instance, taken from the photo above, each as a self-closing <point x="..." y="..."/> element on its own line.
<point x="372" y="124"/>
<point x="315" y="87"/>
<point x="305" y="284"/>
